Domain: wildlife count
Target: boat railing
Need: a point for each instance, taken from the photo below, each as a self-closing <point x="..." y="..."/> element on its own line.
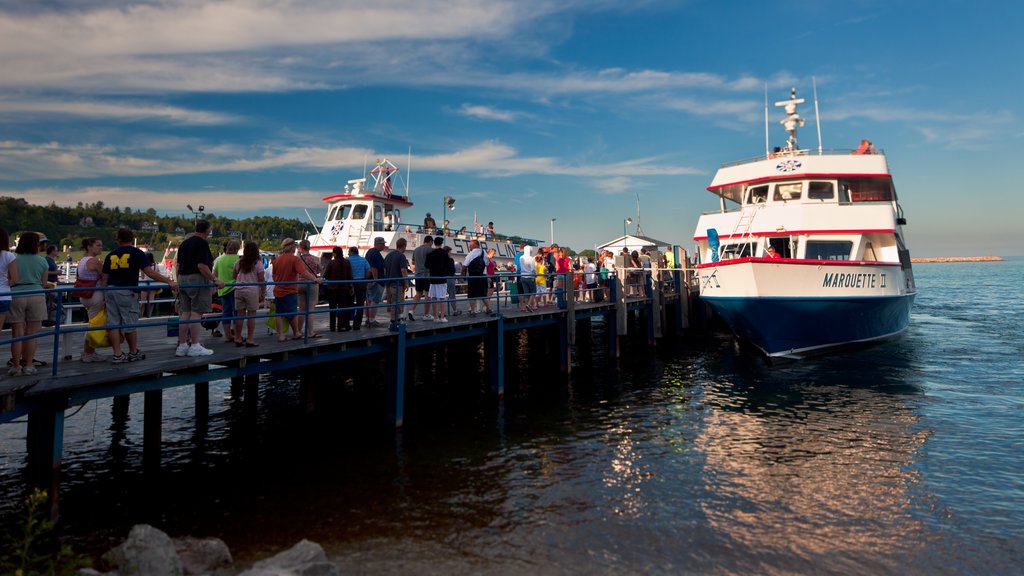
<point x="796" y="154"/>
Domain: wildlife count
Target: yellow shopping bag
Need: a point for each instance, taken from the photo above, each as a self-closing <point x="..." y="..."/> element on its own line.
<point x="271" y="321"/>
<point x="97" y="338"/>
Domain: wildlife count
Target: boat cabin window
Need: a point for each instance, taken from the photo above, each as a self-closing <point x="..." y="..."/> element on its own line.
<point x="738" y="250"/>
<point x="359" y="212"/>
<point x="378" y="217"/>
<point x="828" y="250"/>
<point x="757" y="194"/>
<point x="871" y="190"/>
<point x="339" y="212"/>
<point x="781" y="246"/>
<point x="789" y="191"/>
<point x="821" y="191"/>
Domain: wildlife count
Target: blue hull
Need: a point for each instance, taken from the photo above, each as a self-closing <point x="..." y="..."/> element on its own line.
<point x="795" y="327"/>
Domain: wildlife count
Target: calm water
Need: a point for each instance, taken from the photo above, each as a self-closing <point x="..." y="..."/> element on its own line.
<point x="693" y="458"/>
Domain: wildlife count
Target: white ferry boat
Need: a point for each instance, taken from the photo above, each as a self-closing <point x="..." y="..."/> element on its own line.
<point x="358" y="215"/>
<point x="811" y="254"/>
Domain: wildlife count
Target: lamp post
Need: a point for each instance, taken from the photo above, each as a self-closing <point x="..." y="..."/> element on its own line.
<point x="553" y="231"/>
<point x="195" y="213"/>
<point x="449" y="204"/>
<point x="625" y="222"/>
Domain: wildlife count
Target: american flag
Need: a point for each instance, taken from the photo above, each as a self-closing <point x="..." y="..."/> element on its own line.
<point x="387" y="186"/>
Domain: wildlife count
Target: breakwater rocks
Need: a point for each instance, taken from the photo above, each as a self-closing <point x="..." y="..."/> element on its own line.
<point x="959" y="259"/>
<point x="150" y="552"/>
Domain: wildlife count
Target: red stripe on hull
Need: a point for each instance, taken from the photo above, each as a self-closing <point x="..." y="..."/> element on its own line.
<point x="803" y="232"/>
<point x="798" y="262"/>
<point x="824" y="175"/>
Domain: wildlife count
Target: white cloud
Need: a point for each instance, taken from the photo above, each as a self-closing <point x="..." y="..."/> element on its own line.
<point x="172" y="201"/>
<point x="488" y="113"/>
<point x="54" y="160"/>
<point x="125" y="111"/>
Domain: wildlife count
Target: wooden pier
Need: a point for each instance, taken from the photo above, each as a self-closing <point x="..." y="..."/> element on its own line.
<point x="45" y="396"/>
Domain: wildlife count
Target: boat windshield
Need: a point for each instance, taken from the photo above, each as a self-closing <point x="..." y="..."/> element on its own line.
<point x="339" y="212"/>
<point x="828" y="250"/>
<point x="870" y="189"/>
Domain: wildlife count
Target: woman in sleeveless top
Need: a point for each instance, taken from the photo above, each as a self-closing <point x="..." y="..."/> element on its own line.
<point x="8" y="274"/>
<point x="90" y="267"/>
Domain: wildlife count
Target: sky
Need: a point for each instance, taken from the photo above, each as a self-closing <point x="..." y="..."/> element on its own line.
<point x="523" y="111"/>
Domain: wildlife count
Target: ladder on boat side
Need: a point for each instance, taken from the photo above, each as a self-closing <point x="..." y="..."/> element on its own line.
<point x="743" y="227"/>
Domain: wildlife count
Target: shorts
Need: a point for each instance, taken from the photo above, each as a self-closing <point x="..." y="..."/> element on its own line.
<point x="529" y="286"/>
<point x="122" y="308"/>
<point x="227" y="307"/>
<point x="422" y="285"/>
<point x="28" y="309"/>
<point x="374" y="293"/>
<point x="246" y="301"/>
<point x="395" y="292"/>
<point x="308" y="300"/>
<point x="542" y="289"/>
<point x="194" y="299"/>
<point x="287" y="304"/>
<point x="476" y="287"/>
<point x="438" y="291"/>
<point x="5" y="306"/>
<point x="93" y="304"/>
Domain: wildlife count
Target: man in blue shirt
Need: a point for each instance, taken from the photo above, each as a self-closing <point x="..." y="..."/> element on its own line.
<point x="360" y="270"/>
<point x="374" y="289"/>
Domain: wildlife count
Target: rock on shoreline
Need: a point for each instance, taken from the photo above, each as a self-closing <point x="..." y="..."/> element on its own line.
<point x="149" y="551"/>
<point x="958" y="259"/>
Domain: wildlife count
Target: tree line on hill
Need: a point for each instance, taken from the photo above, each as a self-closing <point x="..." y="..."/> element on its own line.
<point x="67" y="226"/>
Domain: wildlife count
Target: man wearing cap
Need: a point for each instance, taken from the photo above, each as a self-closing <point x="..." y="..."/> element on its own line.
<point x="421" y="271"/>
<point x="195" y="267"/>
<point x="374" y="288"/>
<point x="288" y="268"/>
<point x="396" y="269"/>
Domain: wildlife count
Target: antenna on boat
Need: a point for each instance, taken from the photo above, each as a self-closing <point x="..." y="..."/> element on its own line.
<point x="817" y="116"/>
<point x="408" y="172"/>
<point x="792" y="121"/>
<point x="318" y="231"/>
<point x="639" y="230"/>
<point x="364" y="164"/>
<point x="767" y="154"/>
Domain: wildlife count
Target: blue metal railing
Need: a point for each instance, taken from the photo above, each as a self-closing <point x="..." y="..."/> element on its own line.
<point x="502" y="295"/>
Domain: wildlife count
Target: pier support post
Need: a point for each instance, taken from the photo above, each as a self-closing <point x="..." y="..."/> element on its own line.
<point x="564" y="352"/>
<point x="496" y="356"/>
<point x="612" y="316"/>
<point x="570" y="314"/>
<point x="396" y="379"/>
<point x="202" y="400"/>
<point x="653" y="309"/>
<point x="237" y="383"/>
<point x="45" y="440"/>
<point x="152" y="420"/>
<point x="120" y="406"/>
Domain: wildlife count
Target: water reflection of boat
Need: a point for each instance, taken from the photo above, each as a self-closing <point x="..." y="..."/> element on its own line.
<point x="814" y="258"/>
<point x="357" y="216"/>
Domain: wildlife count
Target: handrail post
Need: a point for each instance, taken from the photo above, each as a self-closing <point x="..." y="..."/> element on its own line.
<point x="58" y="319"/>
<point x="305" y="312"/>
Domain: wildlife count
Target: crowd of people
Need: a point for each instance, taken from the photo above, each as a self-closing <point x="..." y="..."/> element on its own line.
<point x="356" y="287"/>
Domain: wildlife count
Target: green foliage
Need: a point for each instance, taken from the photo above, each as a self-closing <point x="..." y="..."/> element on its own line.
<point x="68" y="225"/>
<point x="33" y="548"/>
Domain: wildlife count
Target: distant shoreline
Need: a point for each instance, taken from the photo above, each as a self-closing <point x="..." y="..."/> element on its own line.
<point x="960" y="259"/>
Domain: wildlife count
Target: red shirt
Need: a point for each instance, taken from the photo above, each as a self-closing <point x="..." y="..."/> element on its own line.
<point x="286" y="269"/>
<point x="562" y="265"/>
